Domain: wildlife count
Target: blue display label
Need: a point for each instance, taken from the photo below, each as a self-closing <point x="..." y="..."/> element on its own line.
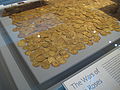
<point x="7" y="2"/>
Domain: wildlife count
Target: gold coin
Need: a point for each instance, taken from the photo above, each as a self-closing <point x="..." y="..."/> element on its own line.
<point x="37" y="53"/>
<point x="115" y="25"/>
<point x="76" y="26"/>
<point x="80" y="46"/>
<point x="45" y="44"/>
<point x="51" y="59"/>
<point x="46" y="55"/>
<point x="52" y="53"/>
<point x="40" y="51"/>
<point x="55" y="63"/>
<point x="103" y="33"/>
<point x="40" y="58"/>
<point x="62" y="61"/>
<point x="73" y="51"/>
<point x="62" y="52"/>
<point x="35" y="64"/>
<point x="21" y="43"/>
<point x="45" y="64"/>
<point x="89" y="43"/>
<point x="96" y="38"/>
<point x="118" y="30"/>
<point x="43" y="34"/>
<point x="34" y="55"/>
<point x="85" y="40"/>
<point x="87" y="34"/>
<point x="31" y="48"/>
<point x="108" y="29"/>
<point x="16" y="29"/>
<point x="28" y="53"/>
<point x="46" y="49"/>
<point x="53" y="48"/>
<point x="25" y="47"/>
<point x="66" y="55"/>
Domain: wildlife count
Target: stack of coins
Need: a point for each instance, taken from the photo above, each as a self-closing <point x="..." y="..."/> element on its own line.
<point x="82" y="26"/>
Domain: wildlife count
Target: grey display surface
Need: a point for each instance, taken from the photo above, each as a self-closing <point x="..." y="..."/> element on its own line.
<point x="16" y="74"/>
<point x="43" y="75"/>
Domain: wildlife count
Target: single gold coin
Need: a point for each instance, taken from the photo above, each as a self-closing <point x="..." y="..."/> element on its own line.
<point x="26" y="47"/>
<point x="89" y="43"/>
<point x="40" y="51"/>
<point x="35" y="54"/>
<point x="80" y="46"/>
<point x="63" y="52"/>
<point x="52" y="53"/>
<point x="40" y="58"/>
<point x="103" y="33"/>
<point x="36" y="64"/>
<point x="46" y="55"/>
<point x="51" y="59"/>
<point x="55" y="63"/>
<point x="73" y="51"/>
<point x="46" y="50"/>
<point x="115" y="25"/>
<point x="118" y="30"/>
<point x="21" y="43"/>
<point x="16" y="29"/>
<point x="45" y="44"/>
<point x="53" y="48"/>
<point x="62" y="61"/>
<point x="45" y="64"/>
<point x="28" y="53"/>
<point x="66" y="55"/>
<point x="87" y="34"/>
<point x="96" y="38"/>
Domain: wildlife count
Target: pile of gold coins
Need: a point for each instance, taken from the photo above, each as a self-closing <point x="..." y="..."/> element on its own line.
<point x="38" y="24"/>
<point x="82" y="25"/>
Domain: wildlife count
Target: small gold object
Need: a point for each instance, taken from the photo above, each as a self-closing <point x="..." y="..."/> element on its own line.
<point x="21" y="43"/>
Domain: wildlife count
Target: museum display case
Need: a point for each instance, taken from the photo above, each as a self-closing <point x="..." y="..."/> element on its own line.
<point x="49" y="40"/>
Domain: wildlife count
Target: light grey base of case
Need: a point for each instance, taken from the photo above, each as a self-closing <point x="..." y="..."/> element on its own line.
<point x="15" y="72"/>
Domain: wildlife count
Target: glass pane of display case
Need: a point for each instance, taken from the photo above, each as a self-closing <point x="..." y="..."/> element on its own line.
<point x="50" y="40"/>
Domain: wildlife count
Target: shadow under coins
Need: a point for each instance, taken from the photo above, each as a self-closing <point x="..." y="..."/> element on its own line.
<point x="113" y="9"/>
<point x="24" y="7"/>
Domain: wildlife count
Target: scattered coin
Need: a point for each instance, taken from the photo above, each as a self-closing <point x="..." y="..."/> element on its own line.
<point x="45" y="64"/>
<point x="21" y="43"/>
<point x="55" y="63"/>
